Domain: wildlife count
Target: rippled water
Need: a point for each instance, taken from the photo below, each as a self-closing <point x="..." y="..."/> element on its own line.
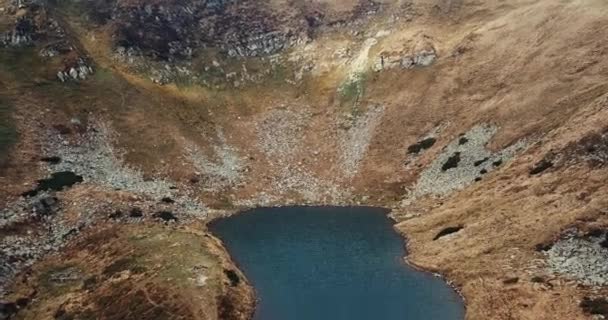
<point x="329" y="263"/>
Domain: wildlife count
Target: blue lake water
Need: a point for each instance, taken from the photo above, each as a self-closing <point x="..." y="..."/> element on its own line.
<point x="332" y="263"/>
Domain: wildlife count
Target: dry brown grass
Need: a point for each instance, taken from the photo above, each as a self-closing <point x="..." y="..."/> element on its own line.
<point x="120" y="275"/>
<point x="536" y="69"/>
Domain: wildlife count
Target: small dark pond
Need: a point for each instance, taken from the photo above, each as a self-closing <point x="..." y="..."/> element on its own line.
<point x="56" y="182"/>
<point x="332" y="263"/>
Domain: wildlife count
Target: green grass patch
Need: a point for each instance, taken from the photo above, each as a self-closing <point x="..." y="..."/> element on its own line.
<point x="96" y="12"/>
<point x="8" y="132"/>
<point x="352" y="91"/>
<point x="104" y="75"/>
<point x="69" y="7"/>
<point x="21" y="64"/>
<point x="280" y="73"/>
<point x="212" y="75"/>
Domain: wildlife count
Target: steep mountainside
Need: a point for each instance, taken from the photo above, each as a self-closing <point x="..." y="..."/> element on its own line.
<point x="127" y="125"/>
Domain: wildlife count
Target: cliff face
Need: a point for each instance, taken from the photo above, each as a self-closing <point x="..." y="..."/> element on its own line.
<point x="179" y="31"/>
<point x="476" y="122"/>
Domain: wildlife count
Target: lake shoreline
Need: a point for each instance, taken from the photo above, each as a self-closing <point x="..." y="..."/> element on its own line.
<point x="381" y="210"/>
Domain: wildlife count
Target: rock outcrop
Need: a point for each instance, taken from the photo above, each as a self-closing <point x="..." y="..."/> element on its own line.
<point x="422" y="58"/>
<point x="421" y="54"/>
<point x="174" y="31"/>
<point x="23" y="33"/>
<point x="581" y="258"/>
<point x="76" y="72"/>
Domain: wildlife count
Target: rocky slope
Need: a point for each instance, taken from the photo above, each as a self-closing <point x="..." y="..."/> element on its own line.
<point x="482" y="125"/>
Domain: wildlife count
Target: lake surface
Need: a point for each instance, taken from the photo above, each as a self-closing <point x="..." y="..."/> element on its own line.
<point x="332" y="263"/>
